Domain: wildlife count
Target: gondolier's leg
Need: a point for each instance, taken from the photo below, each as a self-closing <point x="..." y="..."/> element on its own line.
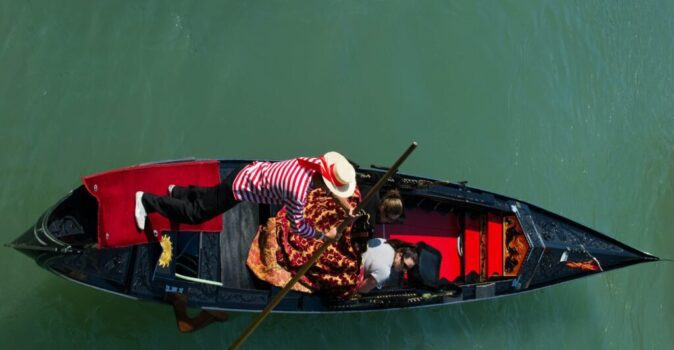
<point x="193" y="192"/>
<point x="183" y="211"/>
<point x="193" y="205"/>
<point x="187" y="193"/>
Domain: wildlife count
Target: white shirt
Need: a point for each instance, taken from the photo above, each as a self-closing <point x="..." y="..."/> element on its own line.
<point x="378" y="260"/>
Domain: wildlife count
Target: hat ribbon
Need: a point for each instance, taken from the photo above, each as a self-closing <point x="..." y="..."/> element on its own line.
<point x="329" y="172"/>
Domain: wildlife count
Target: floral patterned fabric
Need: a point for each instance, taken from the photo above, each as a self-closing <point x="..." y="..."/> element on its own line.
<point x="277" y="254"/>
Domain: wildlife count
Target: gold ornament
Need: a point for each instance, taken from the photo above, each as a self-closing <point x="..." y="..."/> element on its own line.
<point x="166" y="251"/>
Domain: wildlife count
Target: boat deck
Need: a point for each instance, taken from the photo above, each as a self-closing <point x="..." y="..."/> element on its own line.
<point x="239" y="227"/>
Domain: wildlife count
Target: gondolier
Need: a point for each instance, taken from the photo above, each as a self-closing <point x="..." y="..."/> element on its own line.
<point x="285" y="182"/>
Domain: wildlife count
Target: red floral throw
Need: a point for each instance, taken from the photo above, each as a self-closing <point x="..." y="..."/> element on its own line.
<point x="277" y="254"/>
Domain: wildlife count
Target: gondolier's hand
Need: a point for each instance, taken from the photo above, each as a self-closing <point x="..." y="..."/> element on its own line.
<point x="353" y="215"/>
<point x="346" y="206"/>
<point x="331" y="235"/>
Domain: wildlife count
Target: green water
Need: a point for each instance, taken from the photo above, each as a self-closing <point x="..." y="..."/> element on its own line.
<point x="565" y="104"/>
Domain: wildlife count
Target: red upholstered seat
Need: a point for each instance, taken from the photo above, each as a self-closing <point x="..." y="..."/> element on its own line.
<point x="494" y="245"/>
<point x="115" y="192"/>
<point x="439" y="230"/>
<point x="471" y="244"/>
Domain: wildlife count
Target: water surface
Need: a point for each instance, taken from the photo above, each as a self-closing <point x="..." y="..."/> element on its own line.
<point x="567" y="105"/>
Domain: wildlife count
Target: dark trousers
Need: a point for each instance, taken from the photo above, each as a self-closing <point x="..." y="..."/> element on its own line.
<point x="193" y="204"/>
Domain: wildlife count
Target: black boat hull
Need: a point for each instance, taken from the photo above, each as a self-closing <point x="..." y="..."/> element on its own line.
<point x="61" y="242"/>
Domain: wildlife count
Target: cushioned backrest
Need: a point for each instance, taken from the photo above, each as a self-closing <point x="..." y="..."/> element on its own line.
<point x="439" y="230"/>
<point x="494" y="245"/>
<point x="471" y="246"/>
<point x="427" y="271"/>
<point x="115" y="192"/>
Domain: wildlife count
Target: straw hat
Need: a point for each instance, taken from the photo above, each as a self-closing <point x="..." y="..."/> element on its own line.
<point x="338" y="174"/>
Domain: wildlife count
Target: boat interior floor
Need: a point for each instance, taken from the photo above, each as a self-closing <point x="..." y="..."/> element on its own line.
<point x="469" y="245"/>
<point x="466" y="245"/>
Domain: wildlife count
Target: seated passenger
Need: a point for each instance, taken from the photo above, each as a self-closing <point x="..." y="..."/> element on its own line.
<point x="386" y="209"/>
<point x="382" y="255"/>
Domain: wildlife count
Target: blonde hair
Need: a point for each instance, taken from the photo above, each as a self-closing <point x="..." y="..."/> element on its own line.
<point x="392" y="203"/>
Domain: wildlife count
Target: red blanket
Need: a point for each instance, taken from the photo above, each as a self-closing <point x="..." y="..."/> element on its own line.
<point x="115" y="192"/>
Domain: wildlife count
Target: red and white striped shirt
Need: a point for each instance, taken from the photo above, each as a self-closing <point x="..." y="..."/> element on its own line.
<point x="285" y="182"/>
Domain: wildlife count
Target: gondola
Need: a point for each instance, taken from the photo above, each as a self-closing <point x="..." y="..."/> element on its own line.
<point x="474" y="245"/>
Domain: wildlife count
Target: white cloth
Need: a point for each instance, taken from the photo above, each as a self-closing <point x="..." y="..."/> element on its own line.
<point x="378" y="260"/>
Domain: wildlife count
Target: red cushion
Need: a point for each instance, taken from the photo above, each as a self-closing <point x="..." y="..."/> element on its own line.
<point x="471" y="245"/>
<point x="439" y="230"/>
<point x="494" y="245"/>
<point x="115" y="192"/>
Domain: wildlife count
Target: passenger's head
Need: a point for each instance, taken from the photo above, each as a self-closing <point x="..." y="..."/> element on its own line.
<point x="406" y="255"/>
<point x="390" y="207"/>
<point x="405" y="259"/>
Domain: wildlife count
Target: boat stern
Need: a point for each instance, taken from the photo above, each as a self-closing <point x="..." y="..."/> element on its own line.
<point x="64" y="228"/>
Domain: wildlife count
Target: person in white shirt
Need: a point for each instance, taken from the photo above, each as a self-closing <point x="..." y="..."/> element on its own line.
<point x="380" y="256"/>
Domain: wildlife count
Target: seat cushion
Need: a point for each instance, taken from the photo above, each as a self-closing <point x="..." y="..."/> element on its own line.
<point x="114" y="190"/>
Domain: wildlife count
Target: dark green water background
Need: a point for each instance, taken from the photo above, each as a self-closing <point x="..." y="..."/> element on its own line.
<point x="565" y="104"/>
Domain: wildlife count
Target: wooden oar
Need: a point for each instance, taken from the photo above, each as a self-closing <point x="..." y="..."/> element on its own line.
<point x="256" y="322"/>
